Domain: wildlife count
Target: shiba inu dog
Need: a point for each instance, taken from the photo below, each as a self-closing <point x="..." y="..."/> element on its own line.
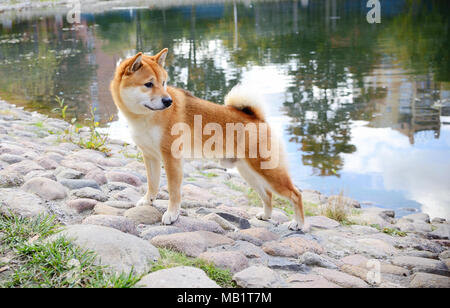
<point x="153" y="109"/>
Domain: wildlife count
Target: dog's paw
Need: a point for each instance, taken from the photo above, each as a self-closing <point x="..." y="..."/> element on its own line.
<point x="144" y="201"/>
<point x="169" y="217"/>
<point x="296" y="226"/>
<point x="262" y="216"/>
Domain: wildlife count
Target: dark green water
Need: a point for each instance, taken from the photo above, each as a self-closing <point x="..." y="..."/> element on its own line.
<point x="363" y="108"/>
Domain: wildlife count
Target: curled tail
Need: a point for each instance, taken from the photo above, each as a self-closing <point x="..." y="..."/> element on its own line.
<point x="247" y="100"/>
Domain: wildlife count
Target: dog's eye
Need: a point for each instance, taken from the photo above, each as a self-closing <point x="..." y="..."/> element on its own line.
<point x="149" y="84"/>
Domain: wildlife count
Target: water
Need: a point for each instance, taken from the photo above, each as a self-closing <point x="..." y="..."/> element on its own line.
<point x="363" y="108"/>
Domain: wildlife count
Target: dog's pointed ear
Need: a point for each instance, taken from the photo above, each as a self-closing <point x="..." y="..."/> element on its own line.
<point x="160" y="58"/>
<point x="136" y="63"/>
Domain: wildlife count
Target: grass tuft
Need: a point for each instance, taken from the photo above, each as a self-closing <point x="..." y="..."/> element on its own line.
<point x="34" y="261"/>
<point x="336" y="209"/>
<point x="170" y="258"/>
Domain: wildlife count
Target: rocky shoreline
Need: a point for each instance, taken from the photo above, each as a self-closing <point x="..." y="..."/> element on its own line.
<point x="94" y="195"/>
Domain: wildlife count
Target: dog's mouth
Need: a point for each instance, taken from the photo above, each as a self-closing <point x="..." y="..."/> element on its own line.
<point x="154" y="109"/>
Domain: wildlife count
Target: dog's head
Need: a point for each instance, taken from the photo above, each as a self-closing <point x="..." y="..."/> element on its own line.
<point x="141" y="83"/>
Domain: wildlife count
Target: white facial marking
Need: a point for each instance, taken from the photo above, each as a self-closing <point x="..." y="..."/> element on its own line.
<point x="140" y="102"/>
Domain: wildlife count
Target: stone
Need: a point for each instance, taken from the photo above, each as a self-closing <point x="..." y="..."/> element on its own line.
<point x="190" y="243"/>
<point x="83" y="167"/>
<point x="116" y="222"/>
<point x="120" y="204"/>
<point x="81" y="205"/>
<point x="128" y="195"/>
<point x="220" y="221"/>
<point x="124" y="177"/>
<point x="150" y="233"/>
<point x="292" y="247"/>
<point x="67" y="173"/>
<point x="238" y="236"/>
<point x="258" y="277"/>
<point x="418" y="217"/>
<point x="11" y="158"/>
<point x="250" y="250"/>
<point x="120" y="251"/>
<point x="89" y="193"/>
<point x="309" y="281"/>
<point x="190" y="224"/>
<point x="237" y="211"/>
<point x="45" y="188"/>
<point x="412" y="226"/>
<point x="426" y="280"/>
<point x="355" y="260"/>
<point x="442" y="232"/>
<point x="438" y="220"/>
<point x="20" y="203"/>
<point x="96" y="175"/>
<point x="234" y="261"/>
<point x="102" y="209"/>
<point x="12" y="179"/>
<point x="342" y="279"/>
<point x="77" y="184"/>
<point x="373" y="216"/>
<point x="261" y="234"/>
<point x="321" y="222"/>
<point x="242" y="223"/>
<point x="177" y="277"/>
<point x="39" y="174"/>
<point x="23" y="167"/>
<point x="444" y="255"/>
<point x="379" y="245"/>
<point x="312" y="259"/>
<point x="285" y="264"/>
<point x="421" y="265"/>
<point x="47" y="163"/>
<point x="143" y="215"/>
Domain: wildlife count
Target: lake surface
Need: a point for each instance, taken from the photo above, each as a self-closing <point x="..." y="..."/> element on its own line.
<point x="363" y="108"/>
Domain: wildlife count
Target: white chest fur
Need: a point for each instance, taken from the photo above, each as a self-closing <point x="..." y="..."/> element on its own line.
<point x="147" y="136"/>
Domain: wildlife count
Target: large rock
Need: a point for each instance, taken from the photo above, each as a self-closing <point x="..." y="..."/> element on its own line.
<point x="309" y="281"/>
<point x="123" y="177"/>
<point x="292" y="247"/>
<point x="20" y="203"/>
<point x="143" y="215"/>
<point x="226" y="225"/>
<point x="242" y="223"/>
<point x="191" y="243"/>
<point x="261" y="234"/>
<point x="89" y="193"/>
<point x="421" y="265"/>
<point x="321" y="222"/>
<point x="81" y="205"/>
<point x="425" y="280"/>
<point x="45" y="188"/>
<point x="77" y="184"/>
<point x="97" y="175"/>
<point x="121" y="251"/>
<point x="348" y="202"/>
<point x="190" y="224"/>
<point x="373" y="216"/>
<point x="342" y="279"/>
<point x="177" y="277"/>
<point x="234" y="261"/>
<point x="442" y="232"/>
<point x="312" y="259"/>
<point x="103" y="209"/>
<point x="23" y="167"/>
<point x="258" y="277"/>
<point x="150" y="233"/>
<point x="116" y="222"/>
<point x="193" y="192"/>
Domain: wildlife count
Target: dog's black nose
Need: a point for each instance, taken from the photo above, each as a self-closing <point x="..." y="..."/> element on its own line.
<point x="167" y="101"/>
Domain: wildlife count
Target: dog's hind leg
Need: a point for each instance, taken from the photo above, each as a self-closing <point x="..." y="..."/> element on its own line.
<point x="174" y="172"/>
<point x="259" y="185"/>
<point x="153" y="169"/>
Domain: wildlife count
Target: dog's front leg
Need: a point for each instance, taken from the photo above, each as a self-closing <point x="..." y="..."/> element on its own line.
<point x="153" y="168"/>
<point x="174" y="172"/>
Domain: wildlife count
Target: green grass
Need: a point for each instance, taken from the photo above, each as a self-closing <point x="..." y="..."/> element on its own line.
<point x="390" y="231"/>
<point x="170" y="258"/>
<point x="35" y="262"/>
<point x="208" y="174"/>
